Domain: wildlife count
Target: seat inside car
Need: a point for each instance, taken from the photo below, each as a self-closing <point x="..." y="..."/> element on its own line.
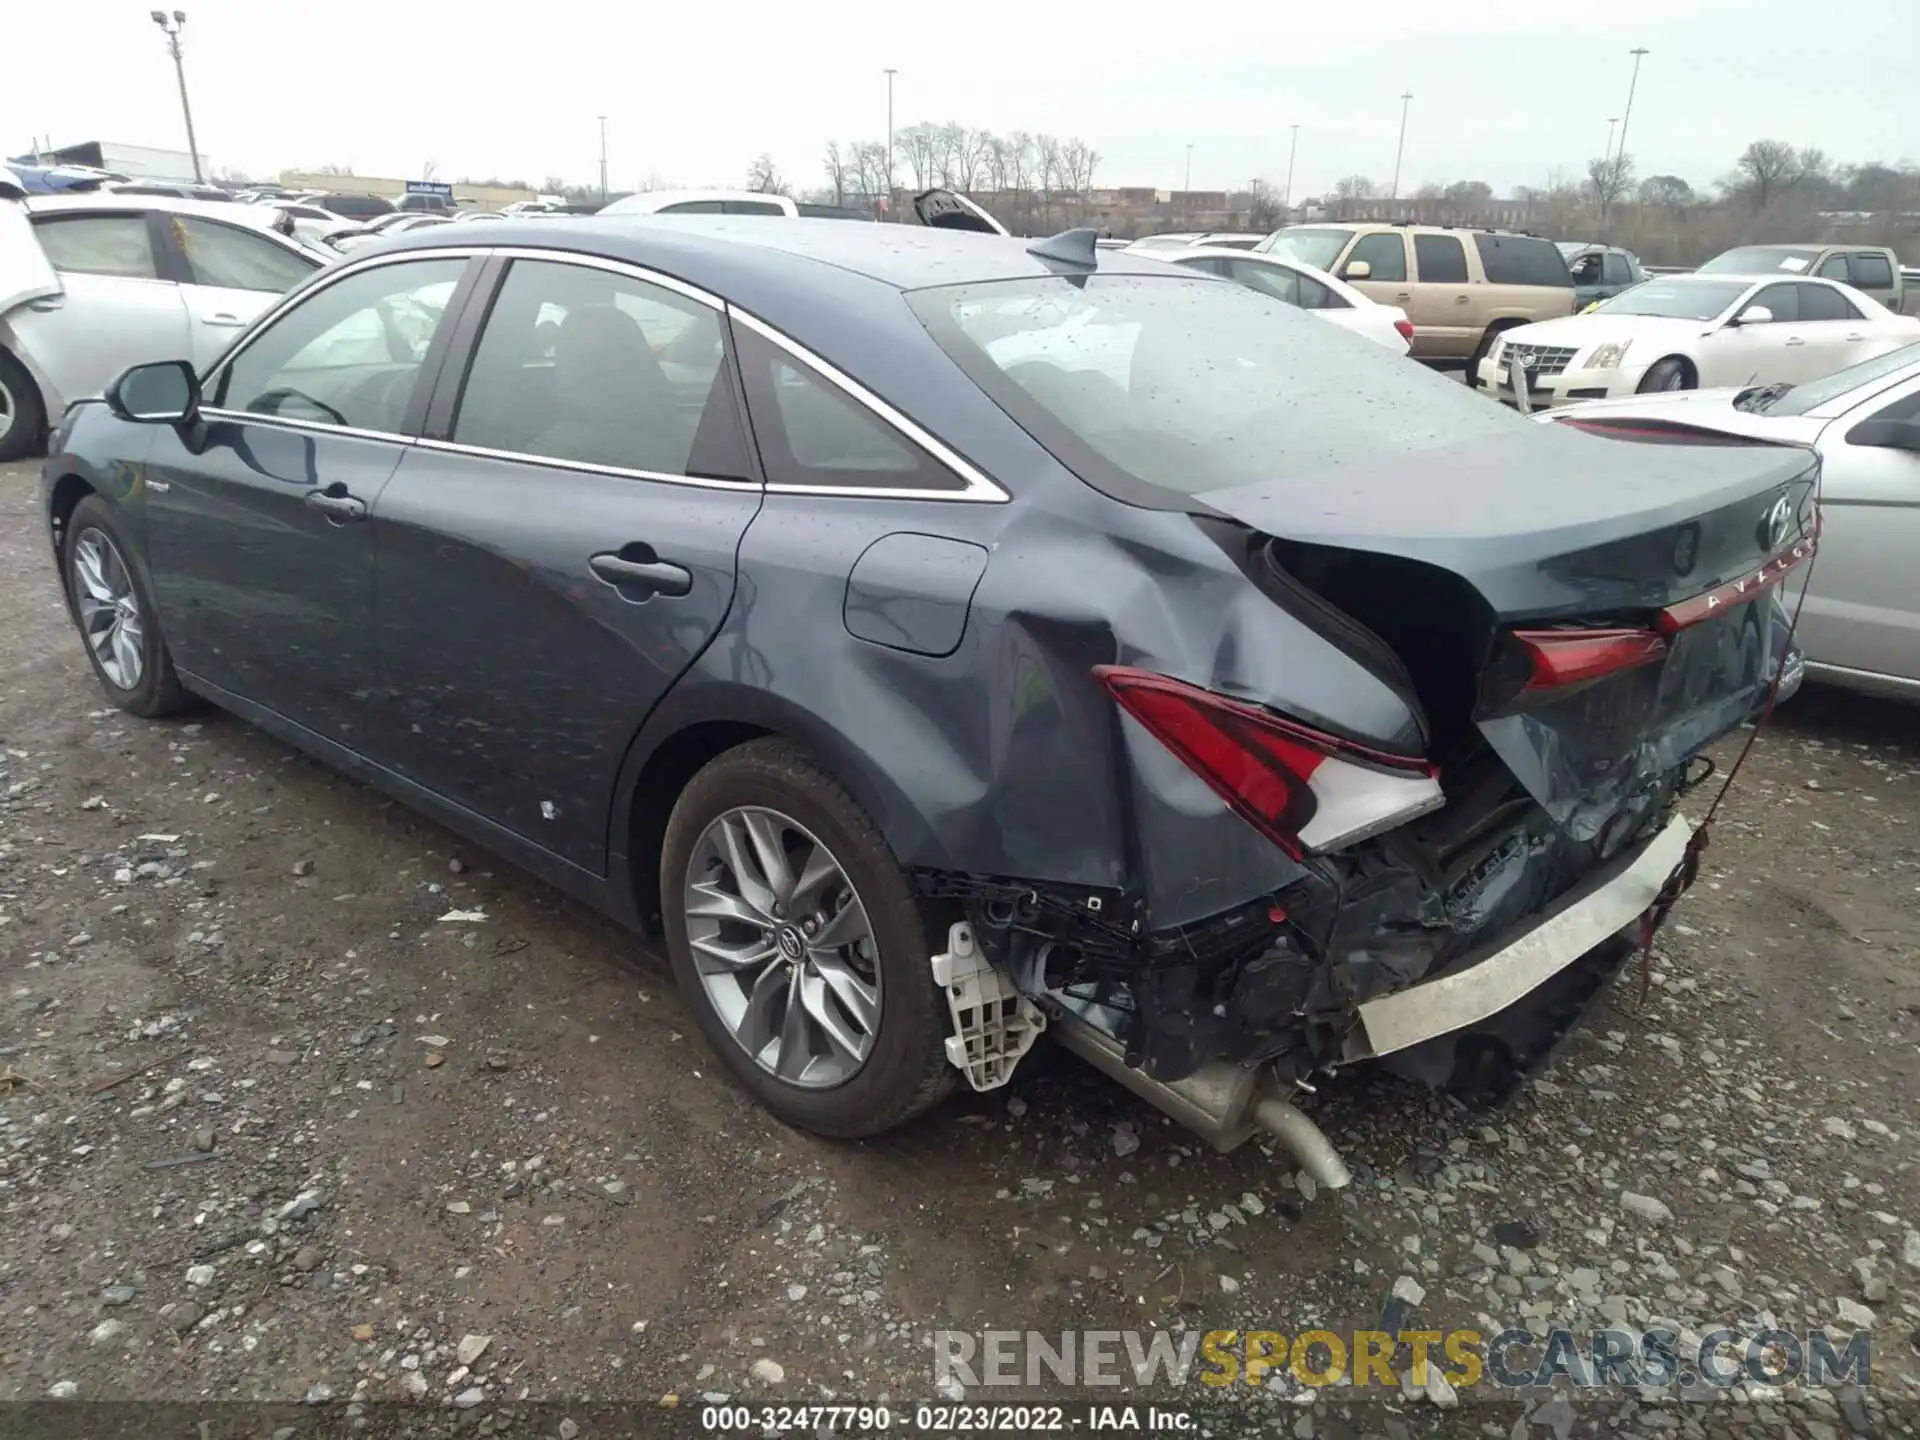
<point x="614" y="403"/>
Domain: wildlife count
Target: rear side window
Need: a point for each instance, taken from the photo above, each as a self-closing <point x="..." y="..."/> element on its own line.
<point x="811" y="433"/>
<point x="1818" y="302"/>
<point x="597" y="368"/>
<point x="1872" y="272"/>
<point x="1834" y="267"/>
<point x="1521" y="260"/>
<point x="98" y="245"/>
<point x="234" y="259"/>
<point x="1782" y="301"/>
<point x="1440" y="260"/>
<point x="692" y="207"/>
<point x="1618" y="272"/>
<point x="1275" y="280"/>
<point x="750" y="207"/>
<point x="1385" y="255"/>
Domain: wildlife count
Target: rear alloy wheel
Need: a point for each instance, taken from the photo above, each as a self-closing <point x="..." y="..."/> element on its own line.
<point x="113" y="606"/>
<point x="22" y="415"/>
<point x="799" y="945"/>
<point x="1668" y="374"/>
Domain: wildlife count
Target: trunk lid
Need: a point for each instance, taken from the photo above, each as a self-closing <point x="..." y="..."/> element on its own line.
<point x="1456" y="561"/>
<point x="1545" y="522"/>
<point x="945" y="210"/>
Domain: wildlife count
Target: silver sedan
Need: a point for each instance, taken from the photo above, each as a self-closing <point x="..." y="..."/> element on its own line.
<point x="1860" y="625"/>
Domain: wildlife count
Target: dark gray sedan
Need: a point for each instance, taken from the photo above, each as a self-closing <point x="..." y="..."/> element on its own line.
<point x="942" y="639"/>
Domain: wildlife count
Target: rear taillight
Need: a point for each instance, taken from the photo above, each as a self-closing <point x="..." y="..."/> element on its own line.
<point x="1405" y="327"/>
<point x="1558" y="658"/>
<point x="1306" y="791"/>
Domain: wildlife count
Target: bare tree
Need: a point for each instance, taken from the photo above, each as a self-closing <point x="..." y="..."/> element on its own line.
<point x="868" y="162"/>
<point x="971" y="156"/>
<point x="1766" y="167"/>
<point x="1264" y="211"/>
<point x="1608" y="178"/>
<point x="1047" y="149"/>
<point x="762" y="176"/>
<point x="1667" y="192"/>
<point x="1020" y="171"/>
<point x="1079" y="160"/>
<point x="1353" y="187"/>
<point x="837" y="167"/>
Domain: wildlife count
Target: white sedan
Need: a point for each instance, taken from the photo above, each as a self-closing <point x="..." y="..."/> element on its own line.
<point x="1303" y="286"/>
<point x="1691" y="332"/>
<point x="1860" y="625"/>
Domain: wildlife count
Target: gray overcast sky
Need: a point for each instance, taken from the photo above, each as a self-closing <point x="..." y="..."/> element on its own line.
<point x="1502" y="92"/>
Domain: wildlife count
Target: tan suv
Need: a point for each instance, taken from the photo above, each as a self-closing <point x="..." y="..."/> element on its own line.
<point x="1460" y="288"/>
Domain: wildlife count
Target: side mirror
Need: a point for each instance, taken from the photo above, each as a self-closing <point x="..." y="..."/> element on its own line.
<point x="1356" y="270"/>
<point x="1754" y="315"/>
<point x="165" y="392"/>
<point x="1886" y="434"/>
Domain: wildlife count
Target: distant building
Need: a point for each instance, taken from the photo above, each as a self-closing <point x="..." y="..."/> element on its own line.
<point x="136" y="162"/>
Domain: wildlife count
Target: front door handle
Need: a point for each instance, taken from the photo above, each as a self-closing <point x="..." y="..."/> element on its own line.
<point x="336" y="504"/>
<point x="224" y="319"/>
<point x="1856" y="337"/>
<point x="1796" y="340"/>
<point x="658" y="576"/>
<point x="1461" y="299"/>
<point x="1403" y="297"/>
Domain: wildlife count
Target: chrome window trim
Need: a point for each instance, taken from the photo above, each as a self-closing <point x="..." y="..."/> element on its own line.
<point x="316" y="427"/>
<point x="330" y="276"/>
<point x="618" y="267"/>
<point x="661" y="477"/>
<point x="978" y="488"/>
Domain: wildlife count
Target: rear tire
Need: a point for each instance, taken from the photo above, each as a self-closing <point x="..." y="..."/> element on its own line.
<point x="756" y="961"/>
<point x="1671" y="373"/>
<point x="23" y="414"/>
<point x="112" y="603"/>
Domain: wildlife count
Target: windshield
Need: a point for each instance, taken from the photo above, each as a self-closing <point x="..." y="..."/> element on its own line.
<point x="1760" y="260"/>
<point x="1675" y="299"/>
<point x="1802" y="398"/>
<point x="1187" y="385"/>
<point x="1570" y="248"/>
<point x="1318" y="248"/>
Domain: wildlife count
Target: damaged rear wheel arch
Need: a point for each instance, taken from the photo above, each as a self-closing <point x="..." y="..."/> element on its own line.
<point x="674" y="762"/>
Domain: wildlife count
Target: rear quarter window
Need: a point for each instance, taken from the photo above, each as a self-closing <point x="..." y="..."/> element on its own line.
<point x="1872" y="272"/>
<point x="1521" y="260"/>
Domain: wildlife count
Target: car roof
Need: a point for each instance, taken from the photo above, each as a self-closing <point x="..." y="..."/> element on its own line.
<point x="718" y="251"/>
<point x="259" y="217"/>
<point x="1355" y="297"/>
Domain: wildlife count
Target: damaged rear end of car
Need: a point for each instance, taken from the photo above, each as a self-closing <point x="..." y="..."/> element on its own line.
<point x="1494" y="654"/>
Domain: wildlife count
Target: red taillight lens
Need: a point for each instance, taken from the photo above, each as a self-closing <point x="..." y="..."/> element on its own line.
<point x="1302" y="789"/>
<point x="1405" y="327"/>
<point x="1572" y="657"/>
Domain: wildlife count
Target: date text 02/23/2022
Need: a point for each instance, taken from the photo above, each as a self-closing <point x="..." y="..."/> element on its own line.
<point x="942" y="1418"/>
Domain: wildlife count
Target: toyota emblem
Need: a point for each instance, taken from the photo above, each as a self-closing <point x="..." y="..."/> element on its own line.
<point x="1773" y="529"/>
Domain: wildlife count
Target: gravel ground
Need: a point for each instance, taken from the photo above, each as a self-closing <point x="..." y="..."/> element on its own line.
<point x="273" y="1130"/>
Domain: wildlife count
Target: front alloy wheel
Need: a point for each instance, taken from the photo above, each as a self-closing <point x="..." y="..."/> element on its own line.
<point x="109" y="609"/>
<point x="783" y="947"/>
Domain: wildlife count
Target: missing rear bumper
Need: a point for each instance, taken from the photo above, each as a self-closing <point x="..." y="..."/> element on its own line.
<point x="1479" y="989"/>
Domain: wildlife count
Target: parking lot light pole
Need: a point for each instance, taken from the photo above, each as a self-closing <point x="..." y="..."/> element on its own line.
<point x="1286" y="197"/>
<point x="1401" y="149"/>
<point x="1626" y="116"/>
<point x="171" y="25"/>
<point x="1607" y="154"/>
<point x="891" y="72"/>
<point x="603" y="159"/>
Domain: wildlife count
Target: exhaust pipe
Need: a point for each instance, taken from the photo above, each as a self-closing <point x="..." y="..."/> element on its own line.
<point x="1219" y="1102"/>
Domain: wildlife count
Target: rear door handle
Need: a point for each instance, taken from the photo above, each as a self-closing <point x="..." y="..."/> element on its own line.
<point x="658" y="576"/>
<point x="1461" y="299"/>
<point x="1403" y="297"/>
<point x="224" y="319"/>
<point x="48" y="305"/>
<point x="1796" y="340"/>
<point x="1856" y="337"/>
<point x="336" y="504"/>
